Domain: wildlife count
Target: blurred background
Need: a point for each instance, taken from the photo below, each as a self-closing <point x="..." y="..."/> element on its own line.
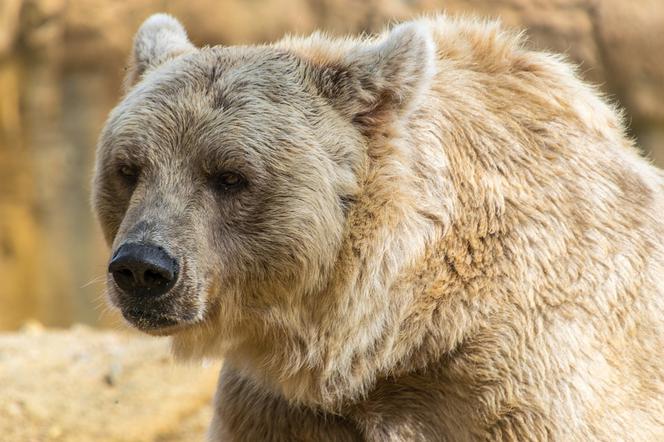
<point x="61" y="67"/>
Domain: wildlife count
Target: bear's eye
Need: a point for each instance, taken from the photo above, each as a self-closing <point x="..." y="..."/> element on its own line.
<point x="229" y="181"/>
<point x="128" y="173"/>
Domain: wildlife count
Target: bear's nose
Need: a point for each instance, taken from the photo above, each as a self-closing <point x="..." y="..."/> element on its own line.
<point x="143" y="269"/>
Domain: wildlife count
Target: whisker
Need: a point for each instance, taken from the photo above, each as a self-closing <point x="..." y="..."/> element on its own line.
<point x="95" y="280"/>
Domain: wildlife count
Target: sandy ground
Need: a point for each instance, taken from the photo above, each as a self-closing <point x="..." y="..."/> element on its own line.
<point x="87" y="385"/>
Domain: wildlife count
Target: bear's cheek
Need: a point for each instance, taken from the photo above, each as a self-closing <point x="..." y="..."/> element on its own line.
<point x="110" y="208"/>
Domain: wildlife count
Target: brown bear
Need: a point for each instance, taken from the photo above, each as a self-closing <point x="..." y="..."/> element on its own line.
<point x="429" y="234"/>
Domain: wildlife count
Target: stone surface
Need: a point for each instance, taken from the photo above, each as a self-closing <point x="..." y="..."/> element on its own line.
<point x="9" y="22"/>
<point x="61" y="65"/>
<point x="631" y="38"/>
<point x="84" y="385"/>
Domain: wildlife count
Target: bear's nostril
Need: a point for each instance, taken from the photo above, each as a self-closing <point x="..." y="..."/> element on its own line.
<point x="125" y="275"/>
<point x="126" y="272"/>
<point x="143" y="269"/>
<point x="154" y="278"/>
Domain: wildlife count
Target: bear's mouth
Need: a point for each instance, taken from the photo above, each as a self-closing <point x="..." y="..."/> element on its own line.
<point x="149" y="319"/>
<point x="178" y="309"/>
<point x="157" y="323"/>
<point x="157" y="316"/>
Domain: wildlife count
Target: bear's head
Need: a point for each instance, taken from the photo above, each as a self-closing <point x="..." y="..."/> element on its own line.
<point x="225" y="177"/>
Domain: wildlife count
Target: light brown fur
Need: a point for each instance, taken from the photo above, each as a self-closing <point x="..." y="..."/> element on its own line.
<point x="464" y="245"/>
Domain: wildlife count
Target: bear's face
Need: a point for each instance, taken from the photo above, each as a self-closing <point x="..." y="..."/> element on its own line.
<point x="224" y="169"/>
<point x="224" y="176"/>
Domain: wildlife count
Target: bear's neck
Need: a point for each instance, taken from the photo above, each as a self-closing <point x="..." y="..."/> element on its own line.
<point x="400" y="297"/>
<point x="449" y="239"/>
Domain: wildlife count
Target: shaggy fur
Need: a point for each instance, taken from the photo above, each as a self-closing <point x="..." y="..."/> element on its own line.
<point x="442" y="235"/>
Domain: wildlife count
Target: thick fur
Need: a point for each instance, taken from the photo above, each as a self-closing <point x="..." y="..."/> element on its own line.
<point x="445" y="236"/>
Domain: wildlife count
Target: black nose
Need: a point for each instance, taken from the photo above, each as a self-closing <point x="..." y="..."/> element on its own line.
<point x="143" y="269"/>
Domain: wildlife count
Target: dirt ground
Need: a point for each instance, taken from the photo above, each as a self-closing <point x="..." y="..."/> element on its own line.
<point x="86" y="385"/>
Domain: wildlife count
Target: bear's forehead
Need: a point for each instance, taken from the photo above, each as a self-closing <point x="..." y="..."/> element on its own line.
<point x="250" y="82"/>
<point x="215" y="96"/>
<point x="261" y="72"/>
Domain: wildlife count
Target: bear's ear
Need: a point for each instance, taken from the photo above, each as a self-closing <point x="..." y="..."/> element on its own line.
<point x="160" y="38"/>
<point x="382" y="78"/>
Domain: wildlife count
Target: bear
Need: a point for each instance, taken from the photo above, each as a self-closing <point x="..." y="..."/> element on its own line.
<point x="432" y="233"/>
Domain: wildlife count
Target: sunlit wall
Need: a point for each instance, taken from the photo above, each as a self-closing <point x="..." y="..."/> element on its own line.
<point x="61" y="66"/>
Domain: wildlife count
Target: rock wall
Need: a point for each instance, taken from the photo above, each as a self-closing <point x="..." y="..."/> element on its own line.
<point x="61" y="63"/>
<point x="617" y="43"/>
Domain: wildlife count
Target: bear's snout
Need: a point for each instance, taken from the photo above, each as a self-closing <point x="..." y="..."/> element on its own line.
<point x="143" y="269"/>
